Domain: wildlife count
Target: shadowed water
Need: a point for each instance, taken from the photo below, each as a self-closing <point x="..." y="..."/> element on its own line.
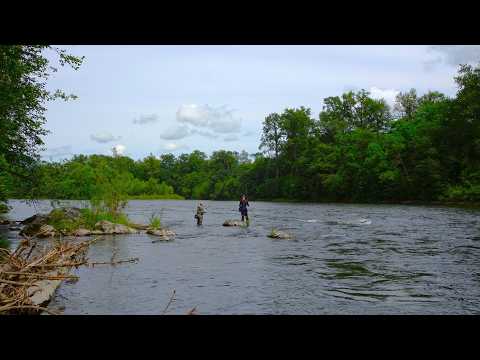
<point x="345" y="259"/>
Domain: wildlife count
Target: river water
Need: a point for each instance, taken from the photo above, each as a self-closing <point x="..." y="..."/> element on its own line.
<point x="345" y="259"/>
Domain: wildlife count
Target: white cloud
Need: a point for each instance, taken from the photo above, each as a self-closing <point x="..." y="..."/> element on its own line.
<point x="203" y="133"/>
<point x="145" y="119"/>
<point x="217" y="119"/>
<point x="104" y="137"/>
<point x="230" y="138"/>
<point x="455" y="54"/>
<point x="174" y="147"/>
<point x="177" y="133"/>
<point x="387" y="94"/>
<point x="118" y="149"/>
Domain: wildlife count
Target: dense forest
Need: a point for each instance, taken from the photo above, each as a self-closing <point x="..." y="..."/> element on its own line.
<point x="425" y="148"/>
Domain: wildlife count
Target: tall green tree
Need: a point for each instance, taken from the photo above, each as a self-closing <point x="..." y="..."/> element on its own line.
<point x="24" y="72"/>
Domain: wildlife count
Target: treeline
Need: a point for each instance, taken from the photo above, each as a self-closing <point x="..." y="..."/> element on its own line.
<point x="427" y="148"/>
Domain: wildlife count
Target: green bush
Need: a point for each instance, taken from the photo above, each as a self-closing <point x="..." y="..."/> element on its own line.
<point x="3" y="208"/>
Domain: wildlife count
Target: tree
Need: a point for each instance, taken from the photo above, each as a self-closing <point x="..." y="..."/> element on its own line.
<point x="296" y="126"/>
<point x="272" y="140"/>
<point x="24" y="71"/>
<point x="351" y="111"/>
<point x="406" y="104"/>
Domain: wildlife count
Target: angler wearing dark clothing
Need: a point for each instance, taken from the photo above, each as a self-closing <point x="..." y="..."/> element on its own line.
<point x="242" y="207"/>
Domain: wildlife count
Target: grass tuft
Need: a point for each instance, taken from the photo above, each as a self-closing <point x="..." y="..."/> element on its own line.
<point x="155" y="222"/>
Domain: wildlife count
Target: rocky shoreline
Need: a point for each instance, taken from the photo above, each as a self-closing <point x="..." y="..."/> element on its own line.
<point x="40" y="226"/>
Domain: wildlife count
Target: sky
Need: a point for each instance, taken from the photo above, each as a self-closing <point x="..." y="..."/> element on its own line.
<point x="145" y="100"/>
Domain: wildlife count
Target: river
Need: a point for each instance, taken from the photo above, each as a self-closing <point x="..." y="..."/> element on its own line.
<point x="345" y="259"/>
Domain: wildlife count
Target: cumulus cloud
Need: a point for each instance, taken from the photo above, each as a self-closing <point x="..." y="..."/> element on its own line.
<point x="118" y="149"/>
<point x="174" y="147"/>
<point x="177" y="133"/>
<point x="230" y="138"/>
<point x="104" y="137"/>
<point x="203" y="133"/>
<point x="58" y="152"/>
<point x="454" y="54"/>
<point x="217" y="119"/>
<point x="145" y="119"/>
<point x="387" y="94"/>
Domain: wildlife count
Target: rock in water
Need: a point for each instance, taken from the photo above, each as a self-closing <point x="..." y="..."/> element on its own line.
<point x="82" y="232"/>
<point x="46" y="231"/>
<point x="139" y="226"/>
<point x="108" y="227"/>
<point x="276" y="234"/>
<point x="164" y="234"/>
<point x="33" y="218"/>
<point x="234" y="223"/>
<point x="33" y="224"/>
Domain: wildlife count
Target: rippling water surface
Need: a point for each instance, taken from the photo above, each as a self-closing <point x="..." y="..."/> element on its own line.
<point x="345" y="259"/>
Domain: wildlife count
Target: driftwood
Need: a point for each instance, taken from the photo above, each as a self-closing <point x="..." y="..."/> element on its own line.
<point x="27" y="282"/>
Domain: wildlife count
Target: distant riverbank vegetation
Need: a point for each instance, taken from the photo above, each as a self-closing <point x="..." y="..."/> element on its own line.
<point x="424" y="149"/>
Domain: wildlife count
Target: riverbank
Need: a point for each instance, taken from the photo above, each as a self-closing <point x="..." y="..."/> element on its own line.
<point x="156" y="197"/>
<point x="460" y="204"/>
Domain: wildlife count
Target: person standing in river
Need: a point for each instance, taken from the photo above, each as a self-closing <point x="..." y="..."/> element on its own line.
<point x="199" y="214"/>
<point x="242" y="207"/>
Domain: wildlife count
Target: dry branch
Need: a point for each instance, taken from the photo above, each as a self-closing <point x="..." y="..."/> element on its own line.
<point x="27" y="282"/>
<point x="172" y="298"/>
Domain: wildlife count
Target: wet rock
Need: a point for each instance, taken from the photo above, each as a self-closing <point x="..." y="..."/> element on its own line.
<point x="276" y="234"/>
<point x="4" y="222"/>
<point x="82" y="232"/>
<point x="14" y="228"/>
<point x="107" y="227"/>
<point x="33" y="218"/>
<point x="33" y="224"/>
<point x="139" y="226"/>
<point x="46" y="231"/>
<point x="233" y="223"/>
<point x="163" y="234"/>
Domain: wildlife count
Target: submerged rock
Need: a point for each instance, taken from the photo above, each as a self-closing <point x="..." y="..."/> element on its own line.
<point x="107" y="227"/>
<point x="163" y="234"/>
<point x="276" y="234"/>
<point x="234" y="223"/>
